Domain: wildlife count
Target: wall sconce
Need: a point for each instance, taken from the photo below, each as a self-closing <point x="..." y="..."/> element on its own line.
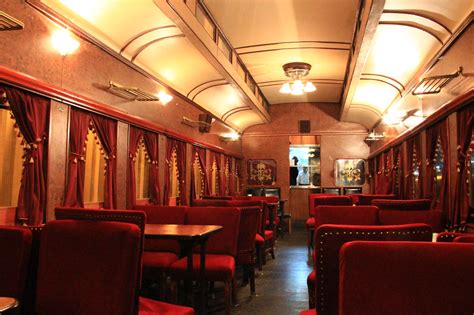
<point x="63" y="42"/>
<point x="409" y="118"/>
<point x="164" y="97"/>
<point x="372" y="136"/>
<point x="393" y="119"/>
<point x="231" y="136"/>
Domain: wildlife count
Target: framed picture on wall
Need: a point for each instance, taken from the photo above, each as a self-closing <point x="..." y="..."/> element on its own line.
<point x="261" y="172"/>
<point x="349" y="172"/>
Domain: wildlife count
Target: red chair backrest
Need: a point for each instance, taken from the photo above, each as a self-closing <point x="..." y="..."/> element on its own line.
<point x="210" y="203"/>
<point x="464" y="239"/>
<point x="249" y="220"/>
<point x="88" y="267"/>
<point x="366" y="199"/>
<point x="217" y="197"/>
<point x="330" y="238"/>
<point x="349" y="215"/>
<point x="406" y="278"/>
<point x="327" y="200"/>
<point x="163" y="215"/>
<point x="224" y="242"/>
<point x="415" y="204"/>
<point x="434" y="218"/>
<point x="15" y="249"/>
<point x="447" y="237"/>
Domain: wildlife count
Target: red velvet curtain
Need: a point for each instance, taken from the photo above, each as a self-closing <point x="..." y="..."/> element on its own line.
<point x="217" y="157"/>
<point x="413" y="144"/>
<point x="151" y="144"/>
<point x="438" y="131"/>
<point x="230" y="179"/>
<point x="465" y="121"/>
<point x="389" y="174"/>
<point x="106" y="130"/>
<point x="180" y="148"/>
<point x="397" y="177"/>
<point x="238" y="176"/>
<point x="31" y="113"/>
<point x="201" y="152"/>
<point x="79" y="124"/>
<point x="134" y="139"/>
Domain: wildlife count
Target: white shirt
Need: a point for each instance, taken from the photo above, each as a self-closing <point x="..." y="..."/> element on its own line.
<point x="302" y="178"/>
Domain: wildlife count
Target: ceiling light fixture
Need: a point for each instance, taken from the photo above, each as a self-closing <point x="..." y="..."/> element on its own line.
<point x="296" y="71"/>
<point x="231" y="136"/>
<point x="63" y="42"/>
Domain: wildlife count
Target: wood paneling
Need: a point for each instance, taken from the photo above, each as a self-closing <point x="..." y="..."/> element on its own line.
<point x="122" y="164"/>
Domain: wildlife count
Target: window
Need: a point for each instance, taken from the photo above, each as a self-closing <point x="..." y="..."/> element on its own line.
<point x="11" y="162"/>
<point x="415" y="178"/>
<point x="205" y="21"/>
<point x="142" y="172"/>
<point x="94" y="180"/>
<point x="438" y="166"/>
<point x="225" y="47"/>
<point x="305" y="167"/>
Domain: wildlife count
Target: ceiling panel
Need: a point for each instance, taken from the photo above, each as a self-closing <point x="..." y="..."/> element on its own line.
<point x="325" y="93"/>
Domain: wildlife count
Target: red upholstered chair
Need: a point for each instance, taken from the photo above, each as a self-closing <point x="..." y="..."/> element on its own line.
<point x="137" y="218"/>
<point x="249" y="220"/>
<point x="447" y="237"/>
<point x="91" y="267"/>
<point x="15" y="246"/>
<point x="330" y="238"/>
<point x="464" y="239"/>
<point x="406" y="278"/>
<point x="321" y="200"/>
<point x="408" y="204"/>
<point x="366" y="199"/>
<point x="348" y="215"/>
<point x="434" y="218"/>
<point x="160" y="254"/>
<point x="217" y="197"/>
<point x="221" y="248"/>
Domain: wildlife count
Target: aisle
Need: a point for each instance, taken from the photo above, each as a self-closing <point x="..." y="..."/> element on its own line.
<point x="281" y="288"/>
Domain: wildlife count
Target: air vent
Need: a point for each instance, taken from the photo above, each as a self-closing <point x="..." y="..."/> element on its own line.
<point x="133" y="94"/>
<point x="9" y="23"/>
<point x="304" y="126"/>
<point x="433" y="85"/>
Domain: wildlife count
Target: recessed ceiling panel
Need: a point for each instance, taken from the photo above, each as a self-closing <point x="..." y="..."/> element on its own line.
<point x="325" y="93"/>
<point x="363" y="115"/>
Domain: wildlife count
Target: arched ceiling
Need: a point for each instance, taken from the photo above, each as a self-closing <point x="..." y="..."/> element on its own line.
<point x="227" y="55"/>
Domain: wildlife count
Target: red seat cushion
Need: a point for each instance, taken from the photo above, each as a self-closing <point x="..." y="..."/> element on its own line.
<point x="310" y="223"/>
<point x="434" y="218"/>
<point x="152" y="307"/>
<point x="259" y="239"/>
<point x="309" y="312"/>
<point x="218" y="267"/>
<point x="268" y="234"/>
<point x="156" y="260"/>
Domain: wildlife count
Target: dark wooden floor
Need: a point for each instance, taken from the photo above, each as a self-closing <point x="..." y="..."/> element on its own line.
<point x="281" y="287"/>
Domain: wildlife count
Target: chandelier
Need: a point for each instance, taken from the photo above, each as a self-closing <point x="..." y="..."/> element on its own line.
<point x="296" y="71"/>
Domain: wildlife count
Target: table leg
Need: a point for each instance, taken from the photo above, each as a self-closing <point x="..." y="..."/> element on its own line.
<point x="202" y="279"/>
<point x="187" y="249"/>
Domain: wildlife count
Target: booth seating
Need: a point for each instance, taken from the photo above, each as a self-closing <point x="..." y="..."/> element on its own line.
<point x="348" y="215"/>
<point x="393" y="278"/>
<point x="448" y="237"/>
<point x="366" y="199"/>
<point x="15" y="246"/>
<point x="329" y="240"/>
<point x="75" y="258"/>
<point x="320" y="200"/>
<point x="221" y="249"/>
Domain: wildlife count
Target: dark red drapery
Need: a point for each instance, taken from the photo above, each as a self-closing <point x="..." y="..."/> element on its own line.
<point x="465" y="121"/>
<point x="228" y="175"/>
<point x="180" y="148"/>
<point x="31" y="113"/>
<point x="438" y="131"/>
<point x="397" y="177"/>
<point x="151" y="144"/>
<point x="215" y="157"/>
<point x="106" y="130"/>
<point x="135" y="136"/>
<point x="201" y="153"/>
<point x="414" y="143"/>
<point x="79" y="124"/>
<point x="382" y="181"/>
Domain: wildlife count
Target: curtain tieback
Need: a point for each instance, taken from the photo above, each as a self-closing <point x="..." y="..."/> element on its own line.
<point x="74" y="157"/>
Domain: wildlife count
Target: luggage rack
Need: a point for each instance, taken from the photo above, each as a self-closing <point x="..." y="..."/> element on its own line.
<point x="434" y="84"/>
<point x="131" y="93"/>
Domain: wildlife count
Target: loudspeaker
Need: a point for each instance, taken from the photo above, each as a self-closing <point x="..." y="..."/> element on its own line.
<point x="205" y="123"/>
<point x="304" y="126"/>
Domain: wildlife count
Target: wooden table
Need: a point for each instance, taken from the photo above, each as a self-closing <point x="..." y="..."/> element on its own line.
<point x="7" y="303"/>
<point x="188" y="237"/>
